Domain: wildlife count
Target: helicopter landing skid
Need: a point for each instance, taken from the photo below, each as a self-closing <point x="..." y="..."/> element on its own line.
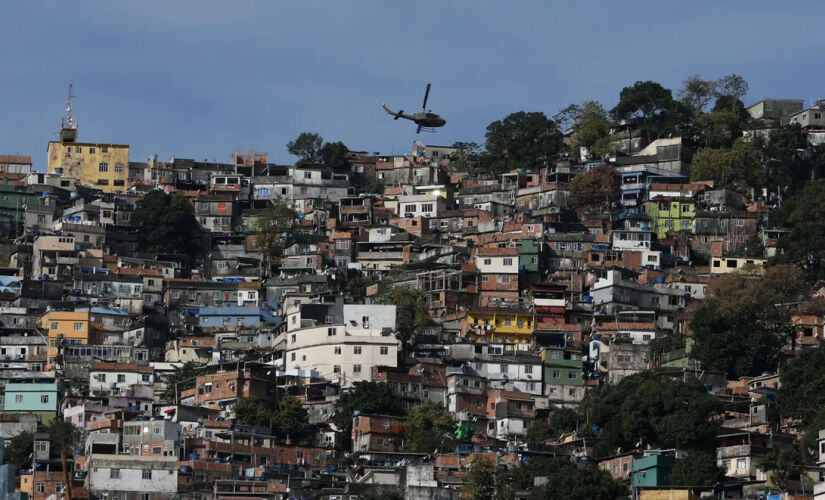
<point x="431" y="130"/>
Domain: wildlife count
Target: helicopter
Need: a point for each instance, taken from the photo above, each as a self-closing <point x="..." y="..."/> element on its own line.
<point x="424" y="119"/>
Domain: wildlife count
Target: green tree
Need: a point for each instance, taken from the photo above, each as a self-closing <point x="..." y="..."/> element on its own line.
<point x="429" y="427"/>
<point x="599" y="189"/>
<point x="64" y="437"/>
<point x="697" y="469"/>
<point x="539" y="432"/>
<point x="800" y="396"/>
<point x="292" y="421"/>
<point x="742" y="325"/>
<point x="382" y="494"/>
<point x="334" y="156"/>
<point x="698" y="93"/>
<point x="522" y="140"/>
<point x="467" y="158"/>
<point x="412" y="310"/>
<point x="308" y="148"/>
<point x="565" y="480"/>
<point x="273" y="229"/>
<point x="480" y="481"/>
<point x="166" y="223"/>
<point x="805" y="242"/>
<point x="19" y="450"/>
<point x="738" y="168"/>
<point x="783" y="465"/>
<point x="181" y="379"/>
<point x="648" y="409"/>
<point x="367" y="398"/>
<point x="563" y="420"/>
<point x="651" y="106"/>
<point x="718" y="129"/>
<point x="590" y="125"/>
<point x="248" y="411"/>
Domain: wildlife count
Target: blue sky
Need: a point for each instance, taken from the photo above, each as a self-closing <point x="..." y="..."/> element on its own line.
<point x="199" y="79"/>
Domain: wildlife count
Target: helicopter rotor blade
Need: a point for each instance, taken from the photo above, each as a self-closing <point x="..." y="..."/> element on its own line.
<point x="426" y="95"/>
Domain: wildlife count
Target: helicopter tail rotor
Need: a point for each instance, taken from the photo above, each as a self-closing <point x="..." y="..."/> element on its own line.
<point x="398" y="115"/>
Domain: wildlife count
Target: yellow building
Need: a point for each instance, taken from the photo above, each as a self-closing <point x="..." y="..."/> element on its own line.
<point x="101" y="166"/>
<point x="72" y="328"/>
<point x="98" y="165"/>
<point x="500" y="325"/>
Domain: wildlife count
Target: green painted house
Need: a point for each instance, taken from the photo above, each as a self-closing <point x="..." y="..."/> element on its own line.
<point x="533" y="256"/>
<point x="653" y="470"/>
<point x="670" y="214"/>
<point x="40" y="398"/>
<point x="12" y="208"/>
<point x="564" y="377"/>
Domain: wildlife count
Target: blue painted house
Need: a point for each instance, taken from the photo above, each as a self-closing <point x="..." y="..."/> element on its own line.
<point x="40" y="398"/>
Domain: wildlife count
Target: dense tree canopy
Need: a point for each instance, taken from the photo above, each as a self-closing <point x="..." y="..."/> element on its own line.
<point x="522" y="140"/>
<point x="697" y="469"/>
<point x="599" y="189"/>
<point x="273" y="229"/>
<point x="561" y="478"/>
<point x="412" y="310"/>
<point x="292" y="421"/>
<point x="648" y="409"/>
<point x="745" y="320"/>
<point x="312" y="151"/>
<point x="698" y="93"/>
<point x="804" y="245"/>
<point x="307" y="147"/>
<point x="801" y="396"/>
<point x="738" y="168"/>
<point x="166" y="223"/>
<point x="652" y="107"/>
<point x="181" y="379"/>
<point x="429" y="428"/>
<point x="591" y="128"/>
<point x="367" y="398"/>
<point x="248" y="411"/>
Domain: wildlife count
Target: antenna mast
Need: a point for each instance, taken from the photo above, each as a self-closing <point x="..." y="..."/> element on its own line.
<point x="68" y="127"/>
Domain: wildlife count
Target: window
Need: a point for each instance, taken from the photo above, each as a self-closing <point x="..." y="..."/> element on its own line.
<point x="356" y="349"/>
<point x="41" y="487"/>
<point x="572" y="375"/>
<point x="44" y="398"/>
<point x="292" y="357"/>
<point x="18" y="398"/>
<point x="330" y="332"/>
<point x="336" y="369"/>
<point x="145" y="377"/>
<point x="409" y="208"/>
<point x="426" y="207"/>
<point x="384" y="350"/>
<point x="103" y="167"/>
<point x="104" y="149"/>
<point x="504" y="279"/>
<point x="741" y="463"/>
<point x="356" y="368"/>
<point x="528" y="369"/>
<point x="103" y="182"/>
<point x="485" y="279"/>
<point x="54" y="326"/>
<point x="114" y="473"/>
<point x="78" y="149"/>
<point x="337" y="350"/>
<point x="78" y="327"/>
<point x="342" y="244"/>
<point x="121" y="377"/>
<point x="328" y="320"/>
<point x="146" y="474"/>
<point x="503" y="369"/>
<point x="508" y="261"/>
<point x="307" y="175"/>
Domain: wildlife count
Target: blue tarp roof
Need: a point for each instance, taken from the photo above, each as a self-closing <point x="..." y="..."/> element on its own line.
<point x="109" y="310"/>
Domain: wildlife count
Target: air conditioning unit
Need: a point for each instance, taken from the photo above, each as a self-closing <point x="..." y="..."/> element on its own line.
<point x="408" y="215"/>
